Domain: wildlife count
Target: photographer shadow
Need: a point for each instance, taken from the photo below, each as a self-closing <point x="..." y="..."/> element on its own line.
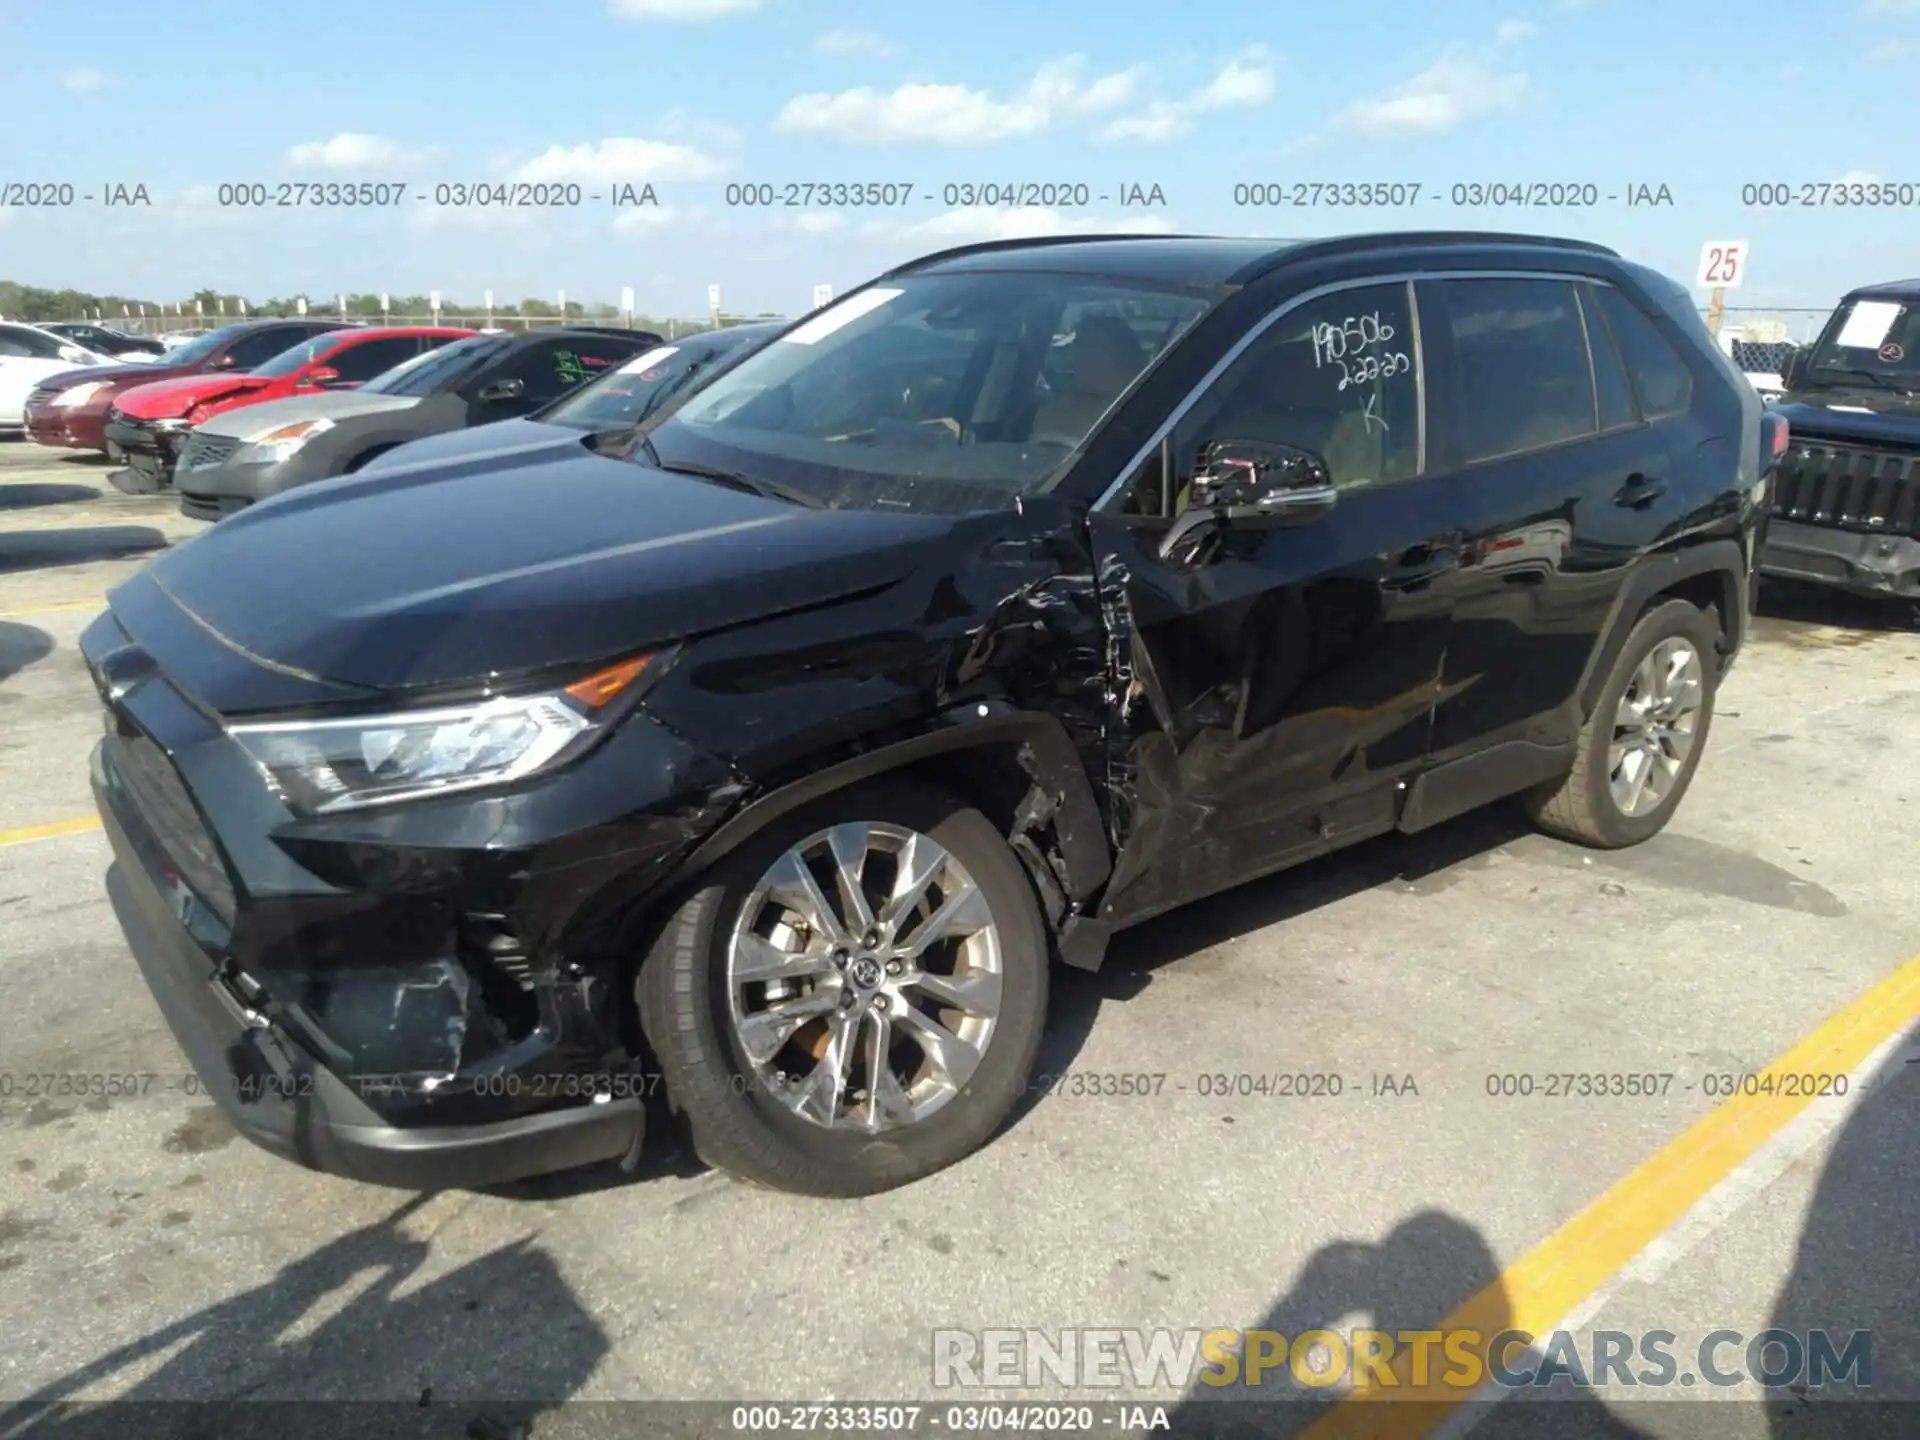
<point x="475" y="1353"/>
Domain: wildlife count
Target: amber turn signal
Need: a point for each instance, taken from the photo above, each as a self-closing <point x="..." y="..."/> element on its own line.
<point x="601" y="686"/>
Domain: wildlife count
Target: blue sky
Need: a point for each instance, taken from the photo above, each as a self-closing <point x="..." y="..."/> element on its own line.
<point x="691" y="95"/>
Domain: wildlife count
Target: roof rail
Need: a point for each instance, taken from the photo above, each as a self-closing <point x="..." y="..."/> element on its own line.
<point x="587" y="329"/>
<point x="988" y="247"/>
<point x="1394" y="239"/>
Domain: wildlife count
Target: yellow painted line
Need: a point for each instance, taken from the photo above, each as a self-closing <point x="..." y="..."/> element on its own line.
<point x="27" y="833"/>
<point x="99" y="604"/>
<point x="1544" y="1287"/>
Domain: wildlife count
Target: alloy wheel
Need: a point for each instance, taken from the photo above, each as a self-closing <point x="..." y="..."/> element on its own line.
<point x="864" y="977"/>
<point x="1654" y="726"/>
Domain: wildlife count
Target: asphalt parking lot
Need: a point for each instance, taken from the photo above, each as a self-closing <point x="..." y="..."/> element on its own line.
<point x="187" y="1265"/>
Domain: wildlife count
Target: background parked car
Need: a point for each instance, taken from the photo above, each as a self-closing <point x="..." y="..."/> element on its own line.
<point x="1846" y="503"/>
<point x="105" y="340"/>
<point x="644" y="387"/>
<point x="231" y="461"/>
<point x="70" y="408"/>
<point x="28" y="355"/>
<point x="149" y="422"/>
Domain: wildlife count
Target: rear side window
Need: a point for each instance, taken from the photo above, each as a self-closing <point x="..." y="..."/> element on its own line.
<point x="1526" y="378"/>
<point x="261" y="346"/>
<point x="1660" y="377"/>
<point x="550" y="368"/>
<point x="1613" y="392"/>
<point x="374" y="357"/>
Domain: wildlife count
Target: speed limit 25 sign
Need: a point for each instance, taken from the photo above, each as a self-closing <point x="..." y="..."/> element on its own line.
<point x="1723" y="264"/>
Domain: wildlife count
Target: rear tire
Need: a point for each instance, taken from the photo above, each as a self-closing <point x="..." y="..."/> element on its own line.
<point x="1648" y="726"/>
<point x="748" y="1000"/>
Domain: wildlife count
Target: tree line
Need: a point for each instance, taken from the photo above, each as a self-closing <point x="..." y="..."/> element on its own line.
<point x="31" y="303"/>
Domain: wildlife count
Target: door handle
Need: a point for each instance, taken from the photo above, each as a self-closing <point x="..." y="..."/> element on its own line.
<point x="1420" y="566"/>
<point x="1640" y="491"/>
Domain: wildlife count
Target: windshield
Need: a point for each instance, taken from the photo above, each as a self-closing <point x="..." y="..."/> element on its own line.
<point x="645" y="383"/>
<point x="1878" y="338"/>
<point x="197" y="350"/>
<point x="435" y="370"/>
<point x="982" y="382"/>
<point x="299" y="357"/>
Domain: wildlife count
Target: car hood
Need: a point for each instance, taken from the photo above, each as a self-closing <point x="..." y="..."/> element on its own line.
<point x="127" y="372"/>
<point x="251" y="420"/>
<point x="480" y="440"/>
<point x="1869" y="416"/>
<point x="166" y="399"/>
<point x="505" y="564"/>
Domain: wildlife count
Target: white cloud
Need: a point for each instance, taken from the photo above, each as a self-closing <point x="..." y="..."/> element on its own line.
<point x="1244" y="82"/>
<point x="1014" y="222"/>
<point x="1859" y="177"/>
<point x="620" y="158"/>
<point x="1890" y="7"/>
<point x="1891" y="51"/>
<point x="853" y="42"/>
<point x="1512" y="32"/>
<point x="679" y="124"/>
<point x="956" y="115"/>
<point x="84" y="81"/>
<point x="819" y="222"/>
<point x="680" y="10"/>
<point x="1440" y="98"/>
<point x="350" y="151"/>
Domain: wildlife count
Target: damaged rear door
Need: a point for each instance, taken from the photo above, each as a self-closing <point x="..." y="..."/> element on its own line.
<point x="1272" y="686"/>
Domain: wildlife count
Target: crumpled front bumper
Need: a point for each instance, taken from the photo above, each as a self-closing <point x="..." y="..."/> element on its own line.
<point x="280" y="1097"/>
<point x="1862" y="563"/>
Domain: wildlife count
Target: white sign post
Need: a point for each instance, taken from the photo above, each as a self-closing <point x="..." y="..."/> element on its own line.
<point x="489" y="305"/>
<point x="302" y="303"/>
<point x="1723" y="267"/>
<point x="713" y="304"/>
<point x="563" y="306"/>
<point x="822" y="296"/>
<point x="386" y="305"/>
<point x="433" y="304"/>
<point x="626" y="304"/>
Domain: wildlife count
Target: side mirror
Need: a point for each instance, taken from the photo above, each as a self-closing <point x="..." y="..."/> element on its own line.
<point x="1793" y="374"/>
<point x="1252" y="485"/>
<point x="322" y="375"/>
<point x="496" y="391"/>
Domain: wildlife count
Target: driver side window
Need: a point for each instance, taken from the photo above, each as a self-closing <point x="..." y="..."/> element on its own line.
<point x="1336" y="376"/>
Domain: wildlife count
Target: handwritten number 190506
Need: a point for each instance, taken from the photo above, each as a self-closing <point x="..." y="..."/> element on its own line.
<point x="1357" y="347"/>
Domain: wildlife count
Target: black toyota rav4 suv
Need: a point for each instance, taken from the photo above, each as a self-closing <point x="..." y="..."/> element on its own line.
<point x="773" y="753"/>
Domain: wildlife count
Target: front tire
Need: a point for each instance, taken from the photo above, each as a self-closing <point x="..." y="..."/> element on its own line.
<point x="852" y="1000"/>
<point x="1641" y="745"/>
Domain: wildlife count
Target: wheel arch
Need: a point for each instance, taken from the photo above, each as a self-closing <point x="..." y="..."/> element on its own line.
<point x="1708" y="575"/>
<point x="1019" y="767"/>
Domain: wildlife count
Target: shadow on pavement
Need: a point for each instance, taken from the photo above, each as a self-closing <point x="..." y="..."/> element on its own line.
<point x="46" y="549"/>
<point x="29" y="496"/>
<point x="1136" y="954"/>
<point x="480" y="1350"/>
<point x="20" y="646"/>
<point x="1796" y="602"/>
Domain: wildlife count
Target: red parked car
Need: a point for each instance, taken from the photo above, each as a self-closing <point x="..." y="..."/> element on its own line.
<point x="149" y="423"/>
<point x="70" y="408"/>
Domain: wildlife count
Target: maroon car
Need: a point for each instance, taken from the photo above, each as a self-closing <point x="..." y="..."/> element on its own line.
<point x="70" y="408"/>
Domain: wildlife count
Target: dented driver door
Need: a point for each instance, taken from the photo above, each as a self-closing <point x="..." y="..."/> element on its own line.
<point x="1271" y="687"/>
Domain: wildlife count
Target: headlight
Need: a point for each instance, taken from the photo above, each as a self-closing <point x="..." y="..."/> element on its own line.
<point x="287" y="439"/>
<point x="321" y="766"/>
<point x="78" y="395"/>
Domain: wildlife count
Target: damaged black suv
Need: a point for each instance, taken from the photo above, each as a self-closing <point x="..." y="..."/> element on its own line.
<point x="1846" y="500"/>
<point x="772" y="752"/>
